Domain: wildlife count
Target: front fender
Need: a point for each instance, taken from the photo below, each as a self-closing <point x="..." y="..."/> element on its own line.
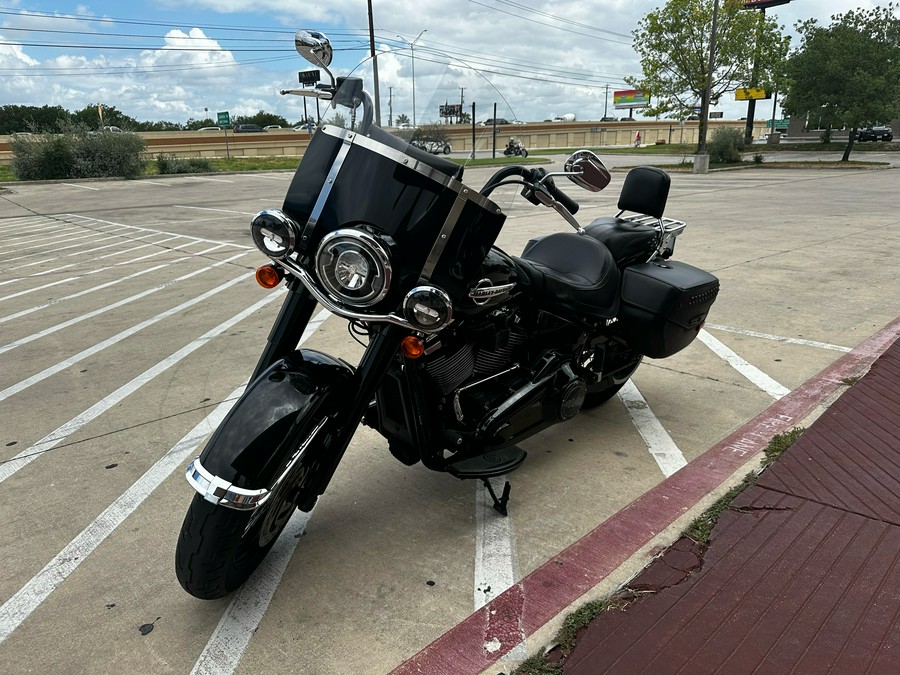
<point x="278" y="411"/>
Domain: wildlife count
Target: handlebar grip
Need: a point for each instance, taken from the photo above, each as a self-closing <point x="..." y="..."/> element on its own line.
<point x="560" y="196"/>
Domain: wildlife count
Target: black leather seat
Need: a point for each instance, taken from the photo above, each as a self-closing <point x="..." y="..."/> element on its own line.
<point x="572" y="273"/>
<point x="645" y="191"/>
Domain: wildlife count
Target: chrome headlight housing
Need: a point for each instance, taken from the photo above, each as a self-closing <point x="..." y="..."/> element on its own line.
<point x="354" y="267"/>
<point x="274" y="233"/>
<point x="428" y="308"/>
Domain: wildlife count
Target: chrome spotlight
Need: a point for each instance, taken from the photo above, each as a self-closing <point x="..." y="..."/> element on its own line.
<point x="428" y="308"/>
<point x="274" y="233"/>
<point x="354" y="266"/>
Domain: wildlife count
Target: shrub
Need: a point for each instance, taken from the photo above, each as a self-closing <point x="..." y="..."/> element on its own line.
<point x="45" y="157"/>
<point x="758" y="158"/>
<point x="172" y="164"/>
<point x="726" y="145"/>
<point x="77" y="153"/>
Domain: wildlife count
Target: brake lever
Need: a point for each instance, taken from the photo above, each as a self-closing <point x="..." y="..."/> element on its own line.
<point x="545" y="198"/>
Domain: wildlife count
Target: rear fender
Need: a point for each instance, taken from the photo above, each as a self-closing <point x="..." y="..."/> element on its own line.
<point x="280" y="410"/>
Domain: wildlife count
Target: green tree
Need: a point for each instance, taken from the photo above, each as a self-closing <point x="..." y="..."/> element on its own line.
<point x="848" y="74"/>
<point x="89" y="116"/>
<point x="15" y="118"/>
<point x="401" y="119"/>
<point x="673" y="44"/>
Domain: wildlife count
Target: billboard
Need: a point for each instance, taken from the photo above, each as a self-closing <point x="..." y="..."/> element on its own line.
<point x="631" y="98"/>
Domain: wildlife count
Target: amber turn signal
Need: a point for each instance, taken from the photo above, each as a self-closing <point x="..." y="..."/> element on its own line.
<point x="412" y="347"/>
<point x="269" y="276"/>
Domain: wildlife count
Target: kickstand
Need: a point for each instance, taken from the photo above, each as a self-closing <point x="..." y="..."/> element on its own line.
<point x="499" y="504"/>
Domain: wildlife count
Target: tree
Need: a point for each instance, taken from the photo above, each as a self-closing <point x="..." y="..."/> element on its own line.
<point x="262" y="118"/>
<point x="89" y="116"/>
<point x="847" y="75"/>
<point x="401" y="119"/>
<point x="673" y="44"/>
<point x="15" y="118"/>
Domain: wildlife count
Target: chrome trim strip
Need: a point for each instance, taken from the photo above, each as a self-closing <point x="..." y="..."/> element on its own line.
<point x="446" y="230"/>
<point x="336" y="165"/>
<point x="222" y="493"/>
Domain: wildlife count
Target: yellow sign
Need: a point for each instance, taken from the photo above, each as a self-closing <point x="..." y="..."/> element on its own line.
<point x="749" y="93"/>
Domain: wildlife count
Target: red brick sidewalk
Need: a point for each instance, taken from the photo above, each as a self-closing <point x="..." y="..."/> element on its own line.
<point x="802" y="575"/>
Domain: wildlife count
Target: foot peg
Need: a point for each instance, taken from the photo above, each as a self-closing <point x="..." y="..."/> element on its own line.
<point x="489" y="465"/>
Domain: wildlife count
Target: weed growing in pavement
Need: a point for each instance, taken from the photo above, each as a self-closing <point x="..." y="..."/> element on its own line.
<point x="699" y="530"/>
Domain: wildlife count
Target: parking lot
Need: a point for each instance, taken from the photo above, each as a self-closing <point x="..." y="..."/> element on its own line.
<point x="129" y="321"/>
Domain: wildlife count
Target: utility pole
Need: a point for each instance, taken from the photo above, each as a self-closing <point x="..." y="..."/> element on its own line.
<point x="374" y="66"/>
<point x="605" y="100"/>
<point x="461" y="101"/>
<point x="390" y="106"/>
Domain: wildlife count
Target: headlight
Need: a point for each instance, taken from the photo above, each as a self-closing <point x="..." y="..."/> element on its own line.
<point x="428" y="308"/>
<point x="354" y="266"/>
<point x="274" y="233"/>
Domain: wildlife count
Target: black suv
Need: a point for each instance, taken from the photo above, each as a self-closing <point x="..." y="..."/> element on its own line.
<point x="882" y="133"/>
<point x="246" y="128"/>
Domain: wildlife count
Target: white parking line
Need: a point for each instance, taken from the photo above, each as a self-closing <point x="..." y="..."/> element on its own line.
<point x="83" y="187"/>
<point x="661" y="446"/>
<point x="751" y="372"/>
<point x="54" y="438"/>
<point x="204" y="208"/>
<point x="779" y="338"/>
<point x="214" y="180"/>
<point x="114" y="305"/>
<point x="118" y="337"/>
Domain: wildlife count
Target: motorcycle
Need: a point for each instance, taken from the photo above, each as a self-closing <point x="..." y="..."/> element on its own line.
<point x="516" y="148"/>
<point x="470" y="349"/>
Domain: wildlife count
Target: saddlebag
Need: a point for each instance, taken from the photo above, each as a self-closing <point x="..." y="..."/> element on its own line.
<point x="664" y="305"/>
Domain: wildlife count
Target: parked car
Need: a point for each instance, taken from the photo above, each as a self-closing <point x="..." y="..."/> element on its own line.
<point x="878" y="133"/>
<point x="246" y="128"/>
<point x="490" y="121"/>
<point x="434" y="147"/>
<point x="271" y="126"/>
<point x="210" y="129"/>
<point x="608" y="118"/>
<point x="406" y="125"/>
<point x="519" y="122"/>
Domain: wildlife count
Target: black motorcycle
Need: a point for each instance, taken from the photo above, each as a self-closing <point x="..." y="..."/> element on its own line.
<point x="515" y="148"/>
<point x="469" y="350"/>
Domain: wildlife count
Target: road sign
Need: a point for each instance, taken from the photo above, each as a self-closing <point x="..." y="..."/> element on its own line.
<point x="223" y="119"/>
<point x="717" y="115"/>
<point x="309" y="77"/>
<point x="748" y="93"/>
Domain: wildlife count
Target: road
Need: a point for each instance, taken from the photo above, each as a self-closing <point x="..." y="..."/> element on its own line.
<point x="129" y="320"/>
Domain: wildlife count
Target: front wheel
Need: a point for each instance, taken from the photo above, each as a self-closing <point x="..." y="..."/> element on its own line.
<point x="219" y="547"/>
<point x="524" y="152"/>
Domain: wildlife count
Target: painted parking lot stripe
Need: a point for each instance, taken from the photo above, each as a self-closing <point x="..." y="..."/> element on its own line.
<point x="751" y="372"/>
<point x="115" y="305"/>
<point x="204" y="208"/>
<point x="778" y="338"/>
<point x="661" y="446"/>
<point x="118" y="337"/>
<point x="83" y="187"/>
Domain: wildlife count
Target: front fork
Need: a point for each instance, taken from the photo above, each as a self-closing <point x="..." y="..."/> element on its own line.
<point x="283" y="338"/>
<point x="288" y="328"/>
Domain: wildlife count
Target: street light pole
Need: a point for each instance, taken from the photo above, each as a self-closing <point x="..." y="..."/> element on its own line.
<point x="412" y="52"/>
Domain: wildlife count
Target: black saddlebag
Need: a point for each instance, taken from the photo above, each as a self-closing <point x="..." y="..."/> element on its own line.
<point x="664" y="305"/>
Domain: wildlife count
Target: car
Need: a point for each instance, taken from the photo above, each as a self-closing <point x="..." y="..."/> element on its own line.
<point x="608" y="118"/>
<point x="490" y="121"/>
<point x="113" y="130"/>
<point x="246" y="128"/>
<point x="877" y="133"/>
<point x="434" y="147"/>
<point x="406" y="125"/>
<point x="210" y="129"/>
<point x="519" y="122"/>
<point x="271" y="126"/>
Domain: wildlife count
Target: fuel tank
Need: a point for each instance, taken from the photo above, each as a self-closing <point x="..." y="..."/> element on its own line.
<point x="494" y="284"/>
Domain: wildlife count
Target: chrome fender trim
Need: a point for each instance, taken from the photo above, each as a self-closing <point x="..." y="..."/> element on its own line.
<point x="221" y="492"/>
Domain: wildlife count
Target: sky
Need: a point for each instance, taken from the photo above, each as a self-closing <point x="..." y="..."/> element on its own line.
<point x="180" y="59"/>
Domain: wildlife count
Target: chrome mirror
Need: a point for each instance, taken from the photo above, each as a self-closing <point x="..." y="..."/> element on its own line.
<point x="314" y="47"/>
<point x="587" y="170"/>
